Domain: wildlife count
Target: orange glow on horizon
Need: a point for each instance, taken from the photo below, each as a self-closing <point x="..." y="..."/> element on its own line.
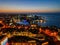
<point x="29" y="10"/>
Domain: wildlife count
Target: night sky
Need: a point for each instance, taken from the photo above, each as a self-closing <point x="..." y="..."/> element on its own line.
<point x="29" y="5"/>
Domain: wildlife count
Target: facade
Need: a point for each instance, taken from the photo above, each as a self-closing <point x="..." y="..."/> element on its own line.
<point x="3" y="40"/>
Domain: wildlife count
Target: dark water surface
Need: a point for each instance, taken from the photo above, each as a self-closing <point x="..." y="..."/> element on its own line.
<point x="52" y="19"/>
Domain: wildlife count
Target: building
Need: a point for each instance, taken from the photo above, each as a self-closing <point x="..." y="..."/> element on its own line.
<point x="3" y="40"/>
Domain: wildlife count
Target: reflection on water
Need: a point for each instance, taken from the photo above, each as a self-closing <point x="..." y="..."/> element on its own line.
<point x="51" y="20"/>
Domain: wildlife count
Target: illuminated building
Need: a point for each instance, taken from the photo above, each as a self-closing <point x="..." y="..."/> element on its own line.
<point x="3" y="40"/>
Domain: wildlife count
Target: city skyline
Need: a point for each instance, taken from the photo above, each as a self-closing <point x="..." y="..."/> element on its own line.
<point x="29" y="5"/>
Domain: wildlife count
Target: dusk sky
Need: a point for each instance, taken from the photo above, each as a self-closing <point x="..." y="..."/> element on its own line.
<point x="29" y="5"/>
